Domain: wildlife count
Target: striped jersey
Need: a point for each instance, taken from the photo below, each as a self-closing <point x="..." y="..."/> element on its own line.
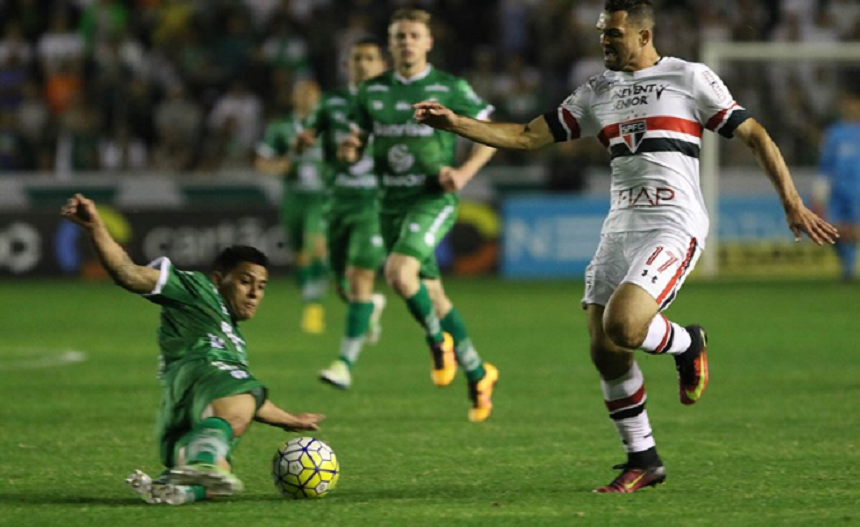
<point x="651" y="121"/>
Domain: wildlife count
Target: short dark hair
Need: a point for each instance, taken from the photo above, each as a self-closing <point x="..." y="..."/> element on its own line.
<point x="236" y="254"/>
<point x="639" y="11"/>
<point x="367" y="41"/>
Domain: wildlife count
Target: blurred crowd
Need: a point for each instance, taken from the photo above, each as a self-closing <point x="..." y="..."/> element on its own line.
<point x="187" y="85"/>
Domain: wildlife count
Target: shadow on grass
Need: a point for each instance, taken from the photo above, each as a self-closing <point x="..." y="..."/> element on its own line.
<point x="23" y="499"/>
<point x="443" y="494"/>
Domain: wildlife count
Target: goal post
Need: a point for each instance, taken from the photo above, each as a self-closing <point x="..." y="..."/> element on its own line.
<point x="715" y="54"/>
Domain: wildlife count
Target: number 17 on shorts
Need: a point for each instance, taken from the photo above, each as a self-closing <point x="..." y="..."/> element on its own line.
<point x="662" y="266"/>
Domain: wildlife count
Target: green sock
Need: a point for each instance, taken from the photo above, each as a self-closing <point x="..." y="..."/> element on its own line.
<point x="320" y="268"/>
<point x="210" y="440"/>
<point x="422" y="310"/>
<point x="312" y="281"/>
<point x="199" y="492"/>
<point x="357" y="322"/>
<point x="304" y="278"/>
<point x="314" y="287"/>
<point x="467" y="356"/>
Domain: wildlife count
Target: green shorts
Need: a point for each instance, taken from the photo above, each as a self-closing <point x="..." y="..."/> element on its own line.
<point x="188" y="387"/>
<point x="303" y="219"/>
<point x="417" y="231"/>
<point x="354" y="240"/>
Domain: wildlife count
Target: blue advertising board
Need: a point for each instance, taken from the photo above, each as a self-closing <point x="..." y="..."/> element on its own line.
<point x="550" y="237"/>
<point x="555" y="237"/>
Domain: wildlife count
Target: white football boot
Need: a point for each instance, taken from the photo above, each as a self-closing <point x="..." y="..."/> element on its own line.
<point x="218" y="482"/>
<point x="156" y="493"/>
<point x="337" y="375"/>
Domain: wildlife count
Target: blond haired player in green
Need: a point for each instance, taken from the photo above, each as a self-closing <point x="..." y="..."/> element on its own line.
<point x="209" y="397"/>
<point x="355" y="245"/>
<point x="419" y="193"/>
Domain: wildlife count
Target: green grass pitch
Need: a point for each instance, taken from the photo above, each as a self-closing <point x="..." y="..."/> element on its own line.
<point x="775" y="440"/>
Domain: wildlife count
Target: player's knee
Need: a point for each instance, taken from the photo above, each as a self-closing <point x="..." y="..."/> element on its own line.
<point x="361" y="285"/>
<point x="622" y="331"/>
<point x="236" y="410"/>
<point x="399" y="278"/>
<point x="623" y="336"/>
<point x="393" y="278"/>
<point x="239" y="423"/>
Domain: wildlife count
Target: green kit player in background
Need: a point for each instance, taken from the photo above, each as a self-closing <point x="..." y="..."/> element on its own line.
<point x="209" y="397"/>
<point x="355" y="245"/>
<point x="419" y="193"/>
<point x="303" y="199"/>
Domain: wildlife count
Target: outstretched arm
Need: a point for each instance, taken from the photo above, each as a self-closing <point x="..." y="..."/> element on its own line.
<point x="136" y="278"/>
<point x="800" y="219"/>
<point x="271" y="415"/>
<point x="510" y="136"/>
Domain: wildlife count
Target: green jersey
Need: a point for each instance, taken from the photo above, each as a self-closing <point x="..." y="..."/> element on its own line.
<point x="306" y="169"/>
<point x="195" y="322"/>
<point x="408" y="156"/>
<point x="352" y="187"/>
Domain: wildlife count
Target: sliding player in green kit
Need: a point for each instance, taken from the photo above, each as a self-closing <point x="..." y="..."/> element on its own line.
<point x="303" y="199"/>
<point x="419" y="193"/>
<point x="355" y="245"/>
<point x="209" y="397"/>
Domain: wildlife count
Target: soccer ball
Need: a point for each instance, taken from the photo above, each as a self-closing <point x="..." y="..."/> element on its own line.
<point x="305" y="467"/>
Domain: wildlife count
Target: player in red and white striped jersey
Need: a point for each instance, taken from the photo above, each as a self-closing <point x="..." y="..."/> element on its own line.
<point x="649" y="112"/>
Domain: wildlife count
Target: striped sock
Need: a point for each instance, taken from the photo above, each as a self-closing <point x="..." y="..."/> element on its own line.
<point x="210" y="441"/>
<point x="467" y="356"/>
<point x="625" y="399"/>
<point x="357" y="321"/>
<point x="665" y="337"/>
<point x="421" y="308"/>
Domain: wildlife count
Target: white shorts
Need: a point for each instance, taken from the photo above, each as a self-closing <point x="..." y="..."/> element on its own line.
<point x="657" y="261"/>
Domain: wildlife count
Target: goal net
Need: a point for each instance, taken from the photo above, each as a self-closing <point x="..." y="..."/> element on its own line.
<point x="792" y="89"/>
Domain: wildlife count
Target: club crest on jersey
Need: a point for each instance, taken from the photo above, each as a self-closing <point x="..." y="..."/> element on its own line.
<point x="400" y="159"/>
<point x="632" y="133"/>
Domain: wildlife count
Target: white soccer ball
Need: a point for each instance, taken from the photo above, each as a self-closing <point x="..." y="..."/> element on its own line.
<point x="305" y="467"/>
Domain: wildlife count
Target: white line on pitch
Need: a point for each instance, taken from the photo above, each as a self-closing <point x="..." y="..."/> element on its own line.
<point x="45" y="361"/>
